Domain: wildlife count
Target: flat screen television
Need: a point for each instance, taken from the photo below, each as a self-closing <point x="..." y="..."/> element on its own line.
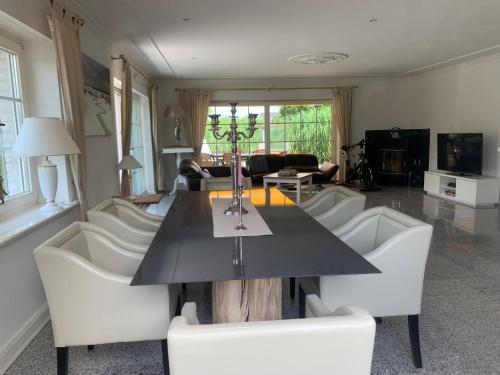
<point x="460" y="153"/>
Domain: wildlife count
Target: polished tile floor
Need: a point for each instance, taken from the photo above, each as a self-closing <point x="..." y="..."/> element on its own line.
<point x="460" y="321"/>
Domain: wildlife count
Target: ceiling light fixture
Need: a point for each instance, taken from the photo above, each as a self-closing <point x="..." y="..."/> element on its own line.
<point x="186" y="19"/>
<point x="319" y="58"/>
<point x="373" y="20"/>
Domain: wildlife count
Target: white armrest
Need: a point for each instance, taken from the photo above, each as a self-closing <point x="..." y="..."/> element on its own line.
<point x="189" y="312"/>
<point x="315" y="308"/>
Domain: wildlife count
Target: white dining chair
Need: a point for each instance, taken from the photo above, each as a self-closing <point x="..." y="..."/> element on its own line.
<point x="340" y="343"/>
<point x="126" y="221"/>
<point x="87" y="284"/>
<point x="335" y="206"/>
<point x="398" y="245"/>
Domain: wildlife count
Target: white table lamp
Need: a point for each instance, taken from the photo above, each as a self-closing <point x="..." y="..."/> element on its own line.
<point x="45" y="136"/>
<point x="128" y="162"/>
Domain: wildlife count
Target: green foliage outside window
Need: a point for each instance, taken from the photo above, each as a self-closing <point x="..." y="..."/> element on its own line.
<point x="295" y="129"/>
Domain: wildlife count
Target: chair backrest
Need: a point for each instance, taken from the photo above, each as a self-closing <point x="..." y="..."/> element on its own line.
<point x="90" y="305"/>
<point x="398" y="245"/>
<point x="124" y="220"/>
<point x="374" y="227"/>
<point x="319" y="346"/>
<point x="328" y="198"/>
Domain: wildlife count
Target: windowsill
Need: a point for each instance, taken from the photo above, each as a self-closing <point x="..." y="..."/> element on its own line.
<point x="30" y="218"/>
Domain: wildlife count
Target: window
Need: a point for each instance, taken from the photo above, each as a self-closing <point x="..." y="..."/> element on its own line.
<point x="301" y="129"/>
<point x="296" y="128"/>
<point x="140" y="140"/>
<point x="14" y="170"/>
<point x="217" y="148"/>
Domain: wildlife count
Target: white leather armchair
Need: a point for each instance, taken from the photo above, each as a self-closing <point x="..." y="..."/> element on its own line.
<point x="341" y="343"/>
<point x="125" y="221"/>
<point x="85" y="277"/>
<point x="397" y="245"/>
<point x="335" y="206"/>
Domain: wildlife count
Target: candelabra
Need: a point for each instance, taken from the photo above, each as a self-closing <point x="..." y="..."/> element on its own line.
<point x="233" y="136"/>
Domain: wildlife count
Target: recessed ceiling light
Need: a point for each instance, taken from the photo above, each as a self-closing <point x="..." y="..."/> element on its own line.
<point x="373" y="20"/>
<point x="186" y="19"/>
<point x="194" y="58"/>
<point x="319" y="58"/>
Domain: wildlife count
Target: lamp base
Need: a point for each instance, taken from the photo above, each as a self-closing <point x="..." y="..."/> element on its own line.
<point x="47" y="177"/>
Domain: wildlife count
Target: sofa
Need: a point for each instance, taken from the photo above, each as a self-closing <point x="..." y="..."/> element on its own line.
<point x="193" y="173"/>
<point x="261" y="165"/>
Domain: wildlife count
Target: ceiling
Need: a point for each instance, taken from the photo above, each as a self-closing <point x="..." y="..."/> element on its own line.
<point x="255" y="38"/>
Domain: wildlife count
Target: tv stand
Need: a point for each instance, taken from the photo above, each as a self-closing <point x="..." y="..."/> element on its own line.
<point x="475" y="191"/>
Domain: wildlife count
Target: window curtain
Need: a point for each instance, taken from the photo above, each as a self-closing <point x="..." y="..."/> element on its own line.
<point x="65" y="32"/>
<point x="155" y="132"/>
<point x="342" y="107"/>
<point x="195" y="105"/>
<point x="126" y="122"/>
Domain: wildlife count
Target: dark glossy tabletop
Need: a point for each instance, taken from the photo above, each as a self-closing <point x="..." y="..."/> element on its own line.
<point x="184" y="249"/>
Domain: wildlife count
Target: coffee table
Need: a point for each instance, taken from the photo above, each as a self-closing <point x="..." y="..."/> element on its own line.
<point x="296" y="180"/>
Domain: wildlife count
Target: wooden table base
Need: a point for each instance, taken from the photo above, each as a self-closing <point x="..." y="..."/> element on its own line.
<point x="246" y="300"/>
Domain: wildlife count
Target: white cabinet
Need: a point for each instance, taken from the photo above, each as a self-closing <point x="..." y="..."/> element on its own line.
<point x="473" y="191"/>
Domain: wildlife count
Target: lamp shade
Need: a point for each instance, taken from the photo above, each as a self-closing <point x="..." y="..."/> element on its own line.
<point x="129" y="162"/>
<point x="44" y="136"/>
<point x="174" y="111"/>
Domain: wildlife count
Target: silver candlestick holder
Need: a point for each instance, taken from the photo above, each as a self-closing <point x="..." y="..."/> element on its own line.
<point x="240" y="225"/>
<point x="233" y="136"/>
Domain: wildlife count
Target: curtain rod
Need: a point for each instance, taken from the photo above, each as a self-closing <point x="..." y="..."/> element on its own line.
<point x="76" y="17"/>
<point x="271" y="88"/>
<point x="123" y="58"/>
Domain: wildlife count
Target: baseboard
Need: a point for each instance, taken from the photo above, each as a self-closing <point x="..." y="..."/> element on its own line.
<point x="20" y="340"/>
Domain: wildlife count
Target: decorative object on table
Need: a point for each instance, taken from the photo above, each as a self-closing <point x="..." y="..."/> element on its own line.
<point x="240" y="225"/>
<point x="128" y="163"/>
<point x="97" y="98"/>
<point x="3" y="192"/>
<point x="287" y="172"/>
<point x="45" y="136"/>
<point x="175" y="112"/>
<point x="234" y="136"/>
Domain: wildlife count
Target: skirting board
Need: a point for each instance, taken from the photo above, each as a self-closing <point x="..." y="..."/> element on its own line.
<point x="21" y="339"/>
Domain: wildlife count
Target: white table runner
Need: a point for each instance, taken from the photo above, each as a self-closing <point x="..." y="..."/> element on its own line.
<point x="224" y="225"/>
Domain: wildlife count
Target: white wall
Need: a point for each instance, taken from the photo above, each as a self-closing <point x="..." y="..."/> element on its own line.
<point x="459" y="98"/>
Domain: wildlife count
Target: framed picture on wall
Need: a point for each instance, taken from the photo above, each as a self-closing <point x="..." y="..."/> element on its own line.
<point x="97" y="98"/>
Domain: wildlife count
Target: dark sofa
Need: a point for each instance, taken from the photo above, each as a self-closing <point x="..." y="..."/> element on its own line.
<point x="192" y="171"/>
<point x="261" y="165"/>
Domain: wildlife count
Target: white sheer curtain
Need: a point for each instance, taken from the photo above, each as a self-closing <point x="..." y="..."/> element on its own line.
<point x="126" y="121"/>
<point x="195" y="105"/>
<point x="66" y="37"/>
<point x="342" y="108"/>
<point x="155" y="132"/>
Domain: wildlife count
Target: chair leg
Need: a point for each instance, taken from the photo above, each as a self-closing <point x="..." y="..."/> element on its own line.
<point x="90" y="347"/>
<point x="62" y="361"/>
<point x="415" y="340"/>
<point x="184" y="286"/>
<point x="378" y="320"/>
<point x="302" y="302"/>
<point x="292" y="287"/>
<point x="164" y="354"/>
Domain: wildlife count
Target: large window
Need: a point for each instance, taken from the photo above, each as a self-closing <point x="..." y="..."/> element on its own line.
<point x="14" y="170"/>
<point x="218" y="148"/>
<point x="290" y="128"/>
<point x="301" y="129"/>
<point x="140" y="140"/>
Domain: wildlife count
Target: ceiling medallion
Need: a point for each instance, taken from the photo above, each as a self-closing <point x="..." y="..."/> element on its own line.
<point x="319" y="58"/>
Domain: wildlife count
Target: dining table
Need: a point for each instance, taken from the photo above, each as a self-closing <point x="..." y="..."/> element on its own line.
<point x="246" y="272"/>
